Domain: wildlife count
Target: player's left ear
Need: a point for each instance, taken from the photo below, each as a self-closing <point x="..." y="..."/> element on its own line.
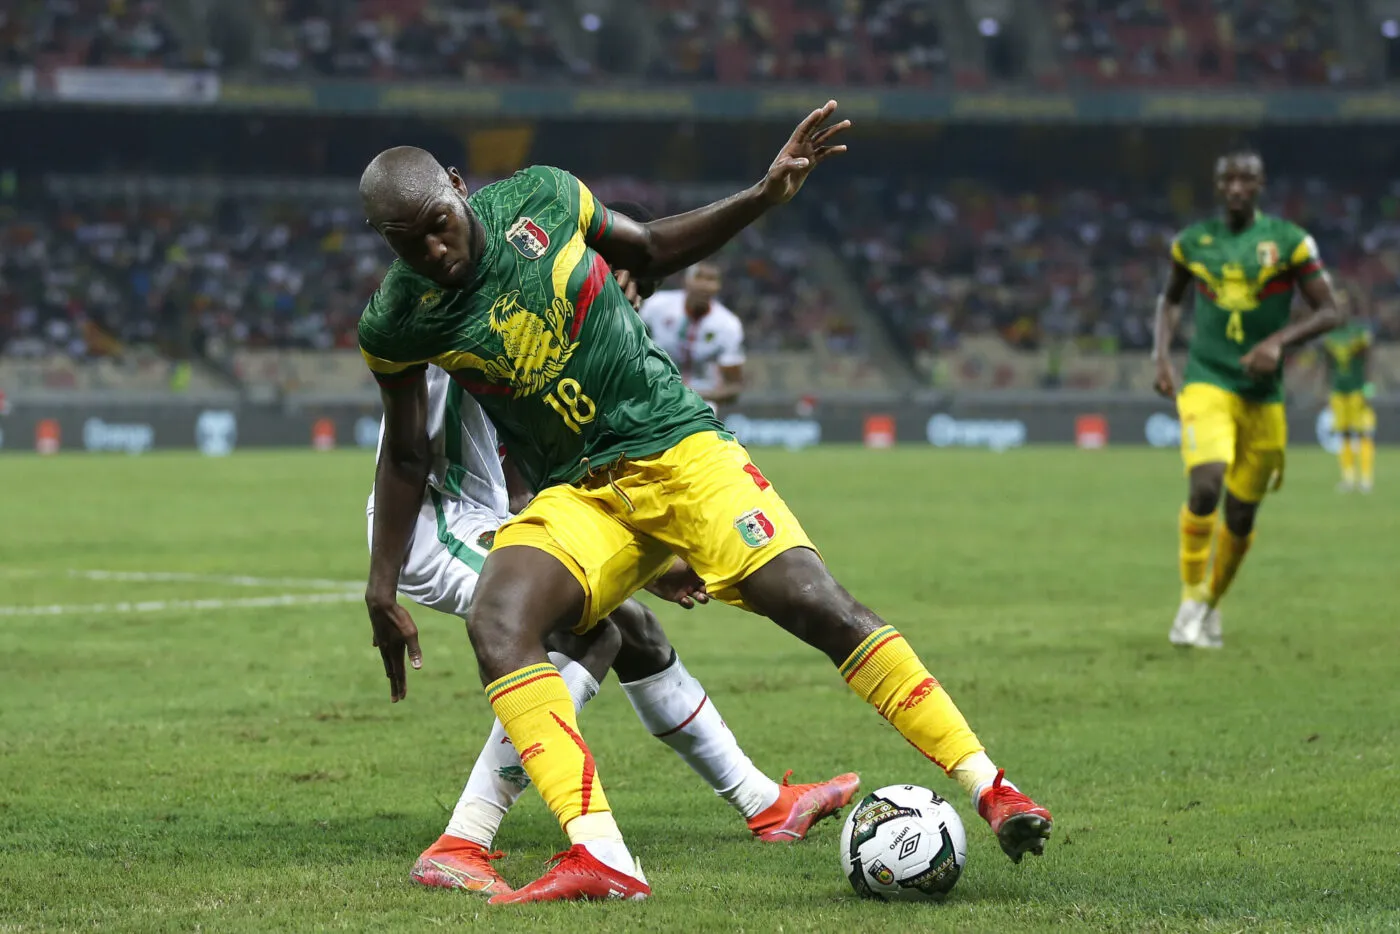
<point x="458" y="183"/>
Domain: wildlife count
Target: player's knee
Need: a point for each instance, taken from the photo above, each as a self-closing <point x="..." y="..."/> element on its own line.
<point x="800" y="595"/>
<point x="1207" y="485"/>
<point x="644" y="649"/>
<point x="498" y="633"/>
<point x="594" y="650"/>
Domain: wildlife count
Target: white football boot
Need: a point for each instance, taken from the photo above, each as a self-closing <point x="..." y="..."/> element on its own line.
<point x="1210" y="636"/>
<point x="1190" y="618"/>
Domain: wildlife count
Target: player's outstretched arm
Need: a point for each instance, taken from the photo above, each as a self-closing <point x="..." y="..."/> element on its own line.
<point x="669" y="244"/>
<point x="1327" y="314"/>
<point x="1164" y="328"/>
<point x="399" y="481"/>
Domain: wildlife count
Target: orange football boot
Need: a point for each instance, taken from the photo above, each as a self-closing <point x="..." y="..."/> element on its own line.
<point x="577" y="875"/>
<point x="453" y="863"/>
<point x="800" y="806"/>
<point x="1021" y="825"/>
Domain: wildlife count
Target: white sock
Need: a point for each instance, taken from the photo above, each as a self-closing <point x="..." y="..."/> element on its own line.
<point x="498" y="779"/>
<point x="675" y="709"/>
<point x="598" y="834"/>
<point x="976" y="773"/>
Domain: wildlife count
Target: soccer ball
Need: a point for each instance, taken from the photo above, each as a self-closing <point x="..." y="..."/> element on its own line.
<point x="903" y="843"/>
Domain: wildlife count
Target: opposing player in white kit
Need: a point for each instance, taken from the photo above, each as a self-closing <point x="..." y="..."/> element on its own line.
<point x="466" y="500"/>
<point x="703" y="337"/>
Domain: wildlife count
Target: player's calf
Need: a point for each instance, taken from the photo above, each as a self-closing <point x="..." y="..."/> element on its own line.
<point x="524" y="593"/>
<point x="643" y="648"/>
<point x="798" y="592"/>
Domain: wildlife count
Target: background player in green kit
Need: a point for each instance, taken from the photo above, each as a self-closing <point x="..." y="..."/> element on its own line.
<point x="1348" y="351"/>
<point x="1245" y="265"/>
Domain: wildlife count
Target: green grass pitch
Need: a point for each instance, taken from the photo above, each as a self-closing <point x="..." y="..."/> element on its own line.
<point x="224" y="765"/>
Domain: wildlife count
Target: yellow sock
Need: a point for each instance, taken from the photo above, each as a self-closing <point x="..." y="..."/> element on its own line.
<point x="1368" y="459"/>
<point x="537" y="712"/>
<point x="1194" y="552"/>
<point x="1347" y="458"/>
<point x="1229" y="554"/>
<point x="887" y="674"/>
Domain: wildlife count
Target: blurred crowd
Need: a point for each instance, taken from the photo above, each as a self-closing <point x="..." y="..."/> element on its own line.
<point x="1202" y="41"/>
<point x="824" y="41"/>
<point x="871" y="42"/>
<point x="90" y="276"/>
<point x="1073" y="265"/>
<point x="479" y="40"/>
<point x="91" y="33"/>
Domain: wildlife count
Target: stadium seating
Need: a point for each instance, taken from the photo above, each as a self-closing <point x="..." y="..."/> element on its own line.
<point x="826" y="42"/>
<point x="1201" y="42"/>
<point x="98" y="265"/>
<point x="201" y="275"/>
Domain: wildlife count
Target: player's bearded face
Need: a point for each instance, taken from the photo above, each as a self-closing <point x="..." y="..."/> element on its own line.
<point x="437" y="243"/>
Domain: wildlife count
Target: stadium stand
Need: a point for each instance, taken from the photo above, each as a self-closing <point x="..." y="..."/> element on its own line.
<point x="101" y="263"/>
<point x="212" y="270"/>
<point x="828" y="42"/>
<point x="1186" y="42"/>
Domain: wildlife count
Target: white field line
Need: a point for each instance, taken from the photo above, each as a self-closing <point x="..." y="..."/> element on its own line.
<point x="162" y="606"/>
<point x="235" y="580"/>
<point x="183" y="577"/>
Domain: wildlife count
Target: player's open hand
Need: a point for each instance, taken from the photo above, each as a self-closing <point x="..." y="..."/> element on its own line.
<point x="395" y="635"/>
<point x="680" y="585"/>
<point x="1263" y="361"/>
<point x="809" y="145"/>
<point x="1165" y="383"/>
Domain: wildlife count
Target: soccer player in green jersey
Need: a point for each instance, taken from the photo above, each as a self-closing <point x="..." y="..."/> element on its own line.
<point x="510" y="290"/>
<point x="1245" y="265"/>
<point x="1348" y="351"/>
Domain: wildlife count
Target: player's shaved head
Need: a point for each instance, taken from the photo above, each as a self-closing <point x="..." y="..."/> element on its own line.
<point x="398" y="181"/>
<point x="421" y="211"/>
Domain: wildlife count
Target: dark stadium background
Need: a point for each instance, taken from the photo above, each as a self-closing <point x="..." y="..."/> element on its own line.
<point x="181" y="232"/>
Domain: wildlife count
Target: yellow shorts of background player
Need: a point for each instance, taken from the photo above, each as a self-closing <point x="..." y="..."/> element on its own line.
<point x="703" y="500"/>
<point x="1351" y="413"/>
<point x="1219" y="427"/>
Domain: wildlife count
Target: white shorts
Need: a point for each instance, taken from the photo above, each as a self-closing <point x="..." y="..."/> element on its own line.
<point x="450" y="541"/>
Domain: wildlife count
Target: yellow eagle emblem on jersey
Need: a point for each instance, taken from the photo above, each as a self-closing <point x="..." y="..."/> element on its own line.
<point x="1236" y="292"/>
<point x="537" y="346"/>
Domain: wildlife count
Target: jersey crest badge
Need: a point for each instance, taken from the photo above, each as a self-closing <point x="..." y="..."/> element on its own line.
<point x="528" y="238"/>
<point x="1206" y="240"/>
<point x="755" y="528"/>
<point x="430" y="298"/>
<point x="1267" y="254"/>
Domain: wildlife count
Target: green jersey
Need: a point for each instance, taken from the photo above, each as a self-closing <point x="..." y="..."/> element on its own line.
<point x="1244" y="285"/>
<point x="542" y="336"/>
<point x="1346" y="357"/>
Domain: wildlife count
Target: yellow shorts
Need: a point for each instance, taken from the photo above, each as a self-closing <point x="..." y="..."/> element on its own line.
<point x="1219" y="427"/>
<point x="1352" y="413"/>
<point x="616" y="531"/>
